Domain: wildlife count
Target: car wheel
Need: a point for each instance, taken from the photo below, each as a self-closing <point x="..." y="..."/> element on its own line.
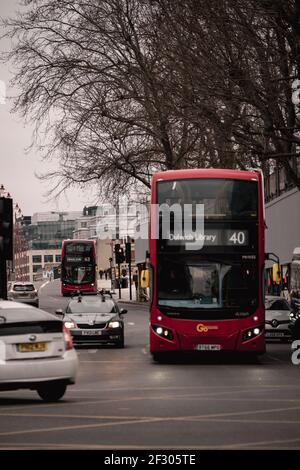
<point x="37" y="304"/>
<point x="52" y="392"/>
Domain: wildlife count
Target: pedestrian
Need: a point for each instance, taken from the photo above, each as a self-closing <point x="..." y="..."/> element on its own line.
<point x="135" y="279"/>
<point x="105" y="274"/>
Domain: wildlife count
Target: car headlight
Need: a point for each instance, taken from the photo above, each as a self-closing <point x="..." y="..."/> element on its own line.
<point x="114" y="324"/>
<point x="70" y="324"/>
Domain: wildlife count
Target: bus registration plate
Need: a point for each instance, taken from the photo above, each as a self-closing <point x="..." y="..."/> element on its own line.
<point x="208" y="347"/>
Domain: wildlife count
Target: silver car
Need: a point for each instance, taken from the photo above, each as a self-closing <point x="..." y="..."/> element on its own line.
<point x="277" y="318"/>
<point x="24" y="292"/>
<point x="36" y="351"/>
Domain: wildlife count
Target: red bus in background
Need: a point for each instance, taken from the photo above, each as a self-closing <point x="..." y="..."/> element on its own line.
<point x="78" y="266"/>
<point x="209" y="298"/>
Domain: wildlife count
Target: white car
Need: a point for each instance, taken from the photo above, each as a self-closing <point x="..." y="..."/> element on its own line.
<point x="36" y="351"/>
<point x="24" y="292"/>
<point x="277" y="318"/>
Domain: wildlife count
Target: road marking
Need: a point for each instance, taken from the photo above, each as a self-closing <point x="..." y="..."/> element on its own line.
<point x="212" y="394"/>
<point x="137" y="420"/>
<point x="278" y="360"/>
<point x="130" y="323"/>
<point x="43" y="285"/>
<point x="236" y="445"/>
<point x="80" y="426"/>
<point x="154" y="420"/>
<point x="130" y="361"/>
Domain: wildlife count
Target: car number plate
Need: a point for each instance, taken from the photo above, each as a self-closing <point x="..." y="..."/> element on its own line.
<point x="32" y="347"/>
<point x="208" y="347"/>
<point x="274" y="334"/>
<point x="91" y="332"/>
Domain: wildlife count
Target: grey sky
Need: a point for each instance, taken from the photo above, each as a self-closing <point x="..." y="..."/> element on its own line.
<point x="17" y="167"/>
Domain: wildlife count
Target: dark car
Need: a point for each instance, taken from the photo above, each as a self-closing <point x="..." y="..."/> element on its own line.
<point x="295" y="325"/>
<point x="95" y="320"/>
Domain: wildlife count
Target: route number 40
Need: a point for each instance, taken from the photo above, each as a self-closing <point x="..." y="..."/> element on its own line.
<point x="237" y="238"/>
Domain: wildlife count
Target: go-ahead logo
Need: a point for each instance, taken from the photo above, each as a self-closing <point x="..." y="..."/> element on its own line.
<point x="201" y="328"/>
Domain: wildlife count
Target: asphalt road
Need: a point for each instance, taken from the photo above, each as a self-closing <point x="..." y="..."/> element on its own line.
<point x="123" y="400"/>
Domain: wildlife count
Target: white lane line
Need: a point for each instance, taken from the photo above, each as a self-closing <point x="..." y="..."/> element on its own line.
<point x="130" y="323"/>
<point x="153" y="420"/>
<point x="130" y="361"/>
<point x="43" y="285"/>
<point x="278" y="360"/>
<point x="81" y="426"/>
<point x="53" y="446"/>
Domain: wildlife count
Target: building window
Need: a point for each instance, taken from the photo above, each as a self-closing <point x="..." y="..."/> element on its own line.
<point x="83" y="224"/>
<point x="58" y="258"/>
<point x="48" y="258"/>
<point x="36" y="258"/>
<point x="36" y="268"/>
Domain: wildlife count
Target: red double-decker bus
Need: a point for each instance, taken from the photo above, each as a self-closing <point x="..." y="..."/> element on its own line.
<point x="208" y="286"/>
<point x="78" y="266"/>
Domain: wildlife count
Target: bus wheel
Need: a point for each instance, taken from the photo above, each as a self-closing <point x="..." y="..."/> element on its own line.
<point x="157" y="357"/>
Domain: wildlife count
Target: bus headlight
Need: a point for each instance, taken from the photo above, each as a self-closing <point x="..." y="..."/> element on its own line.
<point x="114" y="324"/>
<point x="252" y="333"/>
<point x="163" y="332"/>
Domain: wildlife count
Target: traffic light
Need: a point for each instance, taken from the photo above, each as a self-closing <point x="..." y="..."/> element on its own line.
<point x="6" y="228"/>
<point x="128" y="252"/>
<point x="119" y="253"/>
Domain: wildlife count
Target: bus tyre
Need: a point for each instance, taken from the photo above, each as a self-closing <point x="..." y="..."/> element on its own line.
<point x="157" y="357"/>
<point x="53" y="392"/>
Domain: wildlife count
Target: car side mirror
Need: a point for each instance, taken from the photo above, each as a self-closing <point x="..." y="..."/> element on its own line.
<point x="123" y="311"/>
<point x="59" y="313"/>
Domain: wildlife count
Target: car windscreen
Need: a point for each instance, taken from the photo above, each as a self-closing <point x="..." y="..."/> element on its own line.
<point x="14" y="314"/>
<point x="23" y="287"/>
<point x="279" y="304"/>
<point x="91" y="306"/>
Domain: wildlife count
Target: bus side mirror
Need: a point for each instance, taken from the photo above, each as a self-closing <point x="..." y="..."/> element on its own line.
<point x="59" y="313"/>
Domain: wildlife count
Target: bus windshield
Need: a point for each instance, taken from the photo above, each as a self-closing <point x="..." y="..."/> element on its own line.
<point x="192" y="283"/>
<point x="78" y="262"/>
<point x="78" y="274"/>
<point x="222" y="198"/>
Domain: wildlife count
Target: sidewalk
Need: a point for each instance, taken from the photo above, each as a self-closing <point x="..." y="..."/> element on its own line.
<point x="125" y="297"/>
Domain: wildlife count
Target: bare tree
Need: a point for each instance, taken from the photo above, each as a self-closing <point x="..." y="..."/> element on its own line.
<point x="92" y="73"/>
<point x="241" y="62"/>
<point x="123" y="88"/>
